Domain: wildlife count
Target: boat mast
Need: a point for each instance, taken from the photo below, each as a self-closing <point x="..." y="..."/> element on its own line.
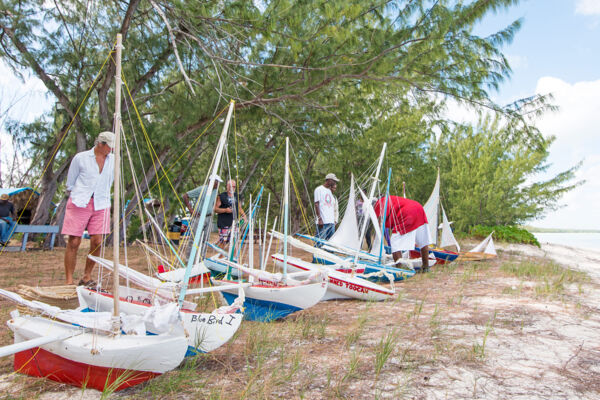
<point x="385" y="208"/>
<point x="371" y="193"/>
<point x="117" y="179"/>
<point x="204" y="209"/>
<point x="286" y="200"/>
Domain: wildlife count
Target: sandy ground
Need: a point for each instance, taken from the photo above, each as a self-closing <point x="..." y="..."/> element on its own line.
<point x="468" y="330"/>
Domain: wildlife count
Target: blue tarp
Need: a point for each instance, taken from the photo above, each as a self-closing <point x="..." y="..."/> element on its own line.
<point x="11" y="191"/>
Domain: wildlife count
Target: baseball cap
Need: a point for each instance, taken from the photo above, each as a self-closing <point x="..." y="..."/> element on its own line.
<point x="108" y="138"/>
<point x="216" y="177"/>
<point x="332" y="176"/>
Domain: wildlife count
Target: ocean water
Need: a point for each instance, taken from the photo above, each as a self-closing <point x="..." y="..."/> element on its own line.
<point x="581" y="240"/>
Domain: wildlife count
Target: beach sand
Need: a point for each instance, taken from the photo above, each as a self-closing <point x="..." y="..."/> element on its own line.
<point x="517" y="327"/>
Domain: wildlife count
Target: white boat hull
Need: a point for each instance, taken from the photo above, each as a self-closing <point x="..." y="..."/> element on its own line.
<point x="341" y="285"/>
<point x="207" y="331"/>
<point x="267" y="302"/>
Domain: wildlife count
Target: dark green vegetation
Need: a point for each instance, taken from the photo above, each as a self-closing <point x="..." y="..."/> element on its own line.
<point x="506" y="233"/>
<point x="338" y="77"/>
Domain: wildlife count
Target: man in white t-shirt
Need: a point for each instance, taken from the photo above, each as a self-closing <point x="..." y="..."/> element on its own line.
<point x="325" y="207"/>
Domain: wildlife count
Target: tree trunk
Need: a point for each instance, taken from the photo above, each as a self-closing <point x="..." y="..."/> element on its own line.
<point x="47" y="189"/>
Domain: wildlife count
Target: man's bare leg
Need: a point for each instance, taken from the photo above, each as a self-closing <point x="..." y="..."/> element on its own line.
<point x="95" y="243"/>
<point x="425" y="258"/>
<point x="71" y="257"/>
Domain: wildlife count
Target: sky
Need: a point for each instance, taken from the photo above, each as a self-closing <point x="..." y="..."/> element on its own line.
<point x="556" y="51"/>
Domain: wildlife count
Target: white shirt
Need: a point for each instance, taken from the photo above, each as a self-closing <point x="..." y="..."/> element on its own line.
<point x="84" y="180"/>
<point x="326" y="204"/>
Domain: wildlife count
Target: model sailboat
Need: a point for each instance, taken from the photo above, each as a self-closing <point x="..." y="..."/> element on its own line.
<point x="206" y="331"/>
<point x="96" y="350"/>
<point x="274" y="296"/>
<point x="483" y="251"/>
<point x="432" y="210"/>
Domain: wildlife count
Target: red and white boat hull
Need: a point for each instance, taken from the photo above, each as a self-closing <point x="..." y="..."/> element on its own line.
<point x="94" y="360"/>
<point x="341" y="285"/>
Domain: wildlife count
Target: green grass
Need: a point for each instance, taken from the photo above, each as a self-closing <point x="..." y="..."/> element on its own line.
<point x="479" y="349"/>
<point x="384" y="350"/>
<point x="354" y="335"/>
<point x="307" y="326"/>
<point x="552" y="277"/>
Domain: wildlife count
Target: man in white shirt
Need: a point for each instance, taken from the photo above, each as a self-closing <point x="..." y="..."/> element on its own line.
<point x="325" y="207"/>
<point x="89" y="182"/>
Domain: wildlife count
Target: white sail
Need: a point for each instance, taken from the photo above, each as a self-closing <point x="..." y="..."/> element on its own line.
<point x="368" y="210"/>
<point x="448" y="238"/>
<point x="347" y="232"/>
<point x="431" y="210"/>
<point x="490" y="248"/>
<point x="486" y="246"/>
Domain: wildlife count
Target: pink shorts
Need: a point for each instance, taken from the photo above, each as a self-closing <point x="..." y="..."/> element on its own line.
<point x="77" y="219"/>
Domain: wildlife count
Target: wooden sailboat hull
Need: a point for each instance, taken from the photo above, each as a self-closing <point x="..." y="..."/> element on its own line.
<point x="441" y="256"/>
<point x="366" y="268"/>
<point x="41" y="363"/>
<point x="341" y="285"/>
<point x="94" y="360"/>
<point x="267" y="303"/>
<point x="207" y="331"/>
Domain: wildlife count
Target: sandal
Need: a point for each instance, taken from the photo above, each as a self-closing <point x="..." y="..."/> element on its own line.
<point x="89" y="284"/>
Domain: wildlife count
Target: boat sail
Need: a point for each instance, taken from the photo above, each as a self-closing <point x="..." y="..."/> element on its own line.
<point x="96" y="350"/>
<point x="432" y="208"/>
<point x="483" y="251"/>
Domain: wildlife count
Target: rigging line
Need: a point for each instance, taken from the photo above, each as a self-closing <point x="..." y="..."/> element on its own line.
<point x="138" y="192"/>
<point x="303" y="182"/>
<point x="140" y="202"/>
<point x="153" y="153"/>
<point x="237" y="170"/>
<point x="35" y="188"/>
<point x="268" y="168"/>
<point x="158" y="178"/>
<point x="206" y="192"/>
<point x="139" y="153"/>
<point x="150" y="148"/>
<point x="302" y="211"/>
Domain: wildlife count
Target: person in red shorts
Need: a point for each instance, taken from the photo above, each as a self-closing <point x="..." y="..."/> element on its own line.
<point x="407" y="222"/>
<point x="89" y="182"/>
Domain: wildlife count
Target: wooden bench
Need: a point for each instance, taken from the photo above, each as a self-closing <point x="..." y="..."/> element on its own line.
<point x="27" y="229"/>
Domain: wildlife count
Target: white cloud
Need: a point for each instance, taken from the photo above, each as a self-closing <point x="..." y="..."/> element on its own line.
<point x="587" y="7"/>
<point x="576" y="126"/>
